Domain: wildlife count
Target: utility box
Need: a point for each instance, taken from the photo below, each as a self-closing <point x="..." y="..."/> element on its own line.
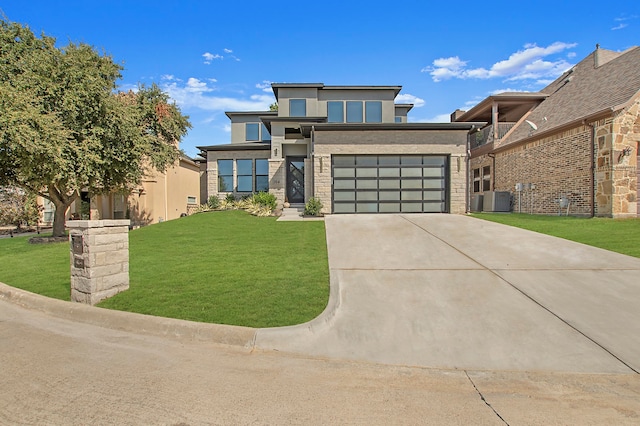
<point x="476" y="202"/>
<point x="496" y="201"/>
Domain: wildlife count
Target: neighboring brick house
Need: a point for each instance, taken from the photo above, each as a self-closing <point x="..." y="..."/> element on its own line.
<point x="570" y="148"/>
<point x="349" y="146"/>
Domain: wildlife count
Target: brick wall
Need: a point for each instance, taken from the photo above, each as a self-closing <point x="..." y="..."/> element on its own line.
<point x="558" y="166"/>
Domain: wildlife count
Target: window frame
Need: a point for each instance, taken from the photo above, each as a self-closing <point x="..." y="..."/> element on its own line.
<point x="257" y="175"/>
<point x="372" y="115"/>
<point x="335" y="103"/>
<point x="299" y="103"/>
<point x="255" y="129"/>
<point x="354" y="112"/>
<point x="221" y="176"/>
<point x="486" y="178"/>
<point x="243" y="174"/>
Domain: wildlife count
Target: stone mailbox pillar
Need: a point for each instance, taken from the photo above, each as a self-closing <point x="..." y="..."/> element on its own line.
<point x="99" y="259"/>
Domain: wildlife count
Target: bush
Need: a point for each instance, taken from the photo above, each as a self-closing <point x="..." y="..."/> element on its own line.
<point x="265" y="199"/>
<point x="313" y="207"/>
<point x="213" y="202"/>
<point x="230" y="198"/>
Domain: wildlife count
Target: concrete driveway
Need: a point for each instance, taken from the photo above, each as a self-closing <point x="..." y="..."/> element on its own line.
<point x="451" y="291"/>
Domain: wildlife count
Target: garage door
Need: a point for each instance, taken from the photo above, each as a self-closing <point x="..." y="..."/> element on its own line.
<point x="390" y="183"/>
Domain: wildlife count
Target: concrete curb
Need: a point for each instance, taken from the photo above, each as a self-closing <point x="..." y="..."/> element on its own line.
<point x="131" y="322"/>
<point x="269" y="338"/>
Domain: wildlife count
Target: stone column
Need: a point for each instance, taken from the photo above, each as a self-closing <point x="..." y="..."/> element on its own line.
<point x="99" y="259"/>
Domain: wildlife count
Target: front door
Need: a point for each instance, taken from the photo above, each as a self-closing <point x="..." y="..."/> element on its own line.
<point x="295" y="180"/>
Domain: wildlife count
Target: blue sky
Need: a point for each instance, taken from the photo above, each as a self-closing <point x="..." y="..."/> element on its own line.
<point x="217" y="56"/>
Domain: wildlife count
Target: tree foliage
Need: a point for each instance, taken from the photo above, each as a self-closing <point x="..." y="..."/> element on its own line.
<point x="64" y="128"/>
<point x="18" y="207"/>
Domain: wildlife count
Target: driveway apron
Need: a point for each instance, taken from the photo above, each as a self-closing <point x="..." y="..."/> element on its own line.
<point x="451" y="291"/>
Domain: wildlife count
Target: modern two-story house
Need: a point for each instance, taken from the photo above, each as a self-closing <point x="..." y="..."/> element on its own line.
<point x="351" y="147"/>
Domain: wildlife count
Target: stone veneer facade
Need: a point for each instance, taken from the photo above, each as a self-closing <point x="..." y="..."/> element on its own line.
<point x="99" y="252"/>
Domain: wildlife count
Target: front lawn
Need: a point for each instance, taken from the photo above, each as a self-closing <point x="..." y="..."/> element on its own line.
<point x="225" y="267"/>
<point x="619" y="235"/>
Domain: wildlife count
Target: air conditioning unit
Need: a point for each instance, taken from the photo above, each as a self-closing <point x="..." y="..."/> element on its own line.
<point x="476" y="202"/>
<point x="496" y="201"/>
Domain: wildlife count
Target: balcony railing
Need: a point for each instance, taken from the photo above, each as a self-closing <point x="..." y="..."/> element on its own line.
<point x="485" y="135"/>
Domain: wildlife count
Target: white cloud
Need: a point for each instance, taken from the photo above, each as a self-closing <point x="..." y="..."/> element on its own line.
<point x="196" y="94"/>
<point x="265" y="86"/>
<point x="227" y="128"/>
<point x="227" y="50"/>
<point x="525" y="64"/>
<point x="209" y="57"/>
<point x="406" y="98"/>
<point x="619" y="27"/>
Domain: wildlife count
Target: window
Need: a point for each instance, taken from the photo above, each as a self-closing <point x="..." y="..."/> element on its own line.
<point x="335" y="112"/>
<point x="354" y="112"/>
<point x="225" y="175"/>
<point x="398" y="119"/>
<point x="262" y="175"/>
<point x="297" y="107"/>
<point x="245" y="175"/>
<point x="486" y="178"/>
<point x="373" y="112"/>
<point x="476" y="180"/>
<point x="266" y="136"/>
<point x="252" y="130"/>
<point x="191" y="199"/>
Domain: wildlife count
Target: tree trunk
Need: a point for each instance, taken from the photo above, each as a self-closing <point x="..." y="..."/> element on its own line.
<point x="59" y="219"/>
<point x="62" y="202"/>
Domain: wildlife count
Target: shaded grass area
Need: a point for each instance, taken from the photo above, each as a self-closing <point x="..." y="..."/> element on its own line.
<point x="224" y="267"/>
<point x="619" y="235"/>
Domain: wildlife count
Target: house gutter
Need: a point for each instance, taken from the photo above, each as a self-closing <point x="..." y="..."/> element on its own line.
<point x="593" y="167"/>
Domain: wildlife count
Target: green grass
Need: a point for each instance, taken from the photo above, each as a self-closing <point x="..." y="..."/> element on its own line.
<point x="619" y="235"/>
<point x="222" y="267"/>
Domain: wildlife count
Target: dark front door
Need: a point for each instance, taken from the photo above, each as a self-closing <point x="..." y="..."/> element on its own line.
<point x="295" y="179"/>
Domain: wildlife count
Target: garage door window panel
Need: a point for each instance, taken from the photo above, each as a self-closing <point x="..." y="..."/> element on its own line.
<point x="344" y="184"/>
<point x="389" y="208"/>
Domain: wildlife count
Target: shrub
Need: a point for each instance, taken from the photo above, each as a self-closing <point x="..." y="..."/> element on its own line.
<point x="265" y="199"/>
<point x="230" y="198"/>
<point x="313" y="207"/>
<point x="213" y="202"/>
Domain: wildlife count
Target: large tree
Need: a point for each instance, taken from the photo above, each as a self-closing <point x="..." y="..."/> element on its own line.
<point x="64" y="128"/>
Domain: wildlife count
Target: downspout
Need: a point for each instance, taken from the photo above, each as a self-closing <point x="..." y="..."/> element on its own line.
<point x="593" y="167"/>
<point x="467" y="194"/>
<point x="313" y="161"/>
<point x="493" y="170"/>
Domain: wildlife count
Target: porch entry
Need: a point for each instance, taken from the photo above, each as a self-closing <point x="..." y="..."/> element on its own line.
<point x="295" y="180"/>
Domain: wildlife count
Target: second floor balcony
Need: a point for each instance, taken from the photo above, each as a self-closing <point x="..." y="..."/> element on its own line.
<point x="487" y="135"/>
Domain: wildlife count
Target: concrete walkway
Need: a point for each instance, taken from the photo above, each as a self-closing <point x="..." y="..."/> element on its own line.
<point x="452" y="291"/>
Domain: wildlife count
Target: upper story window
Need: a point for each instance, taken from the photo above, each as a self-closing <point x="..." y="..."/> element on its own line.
<point x="253" y="132"/>
<point x="335" y="112"/>
<point x="373" y="111"/>
<point x="398" y="119"/>
<point x="297" y="107"/>
<point x="354" y="112"/>
<point x="266" y="136"/>
<point x="256" y="132"/>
